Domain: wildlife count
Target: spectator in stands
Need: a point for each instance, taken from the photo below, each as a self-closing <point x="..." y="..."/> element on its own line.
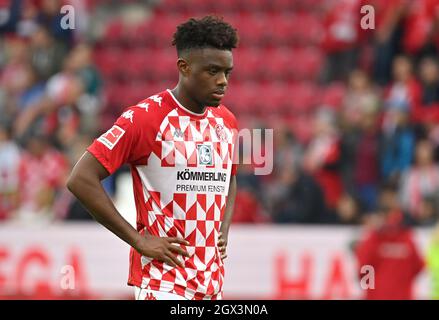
<point x="295" y="197"/>
<point x="405" y="91"/>
<point x="428" y="111"/>
<point x="292" y="195"/>
<point x="47" y="54"/>
<point x="56" y="113"/>
<point x="396" y="143"/>
<point x="43" y="172"/>
<point x="79" y="62"/>
<point x="366" y="168"/>
<point x="322" y="157"/>
<point x="13" y="75"/>
<point x="391" y="250"/>
<point x="429" y="76"/>
<point x="361" y="97"/>
<point x="386" y="35"/>
<point x="348" y="210"/>
<point x="9" y="170"/>
<point x="50" y="17"/>
<point x="419" y="188"/>
<point x="419" y="27"/>
<point x="341" y="38"/>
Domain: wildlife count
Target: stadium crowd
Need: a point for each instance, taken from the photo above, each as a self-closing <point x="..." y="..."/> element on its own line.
<point x="356" y="132"/>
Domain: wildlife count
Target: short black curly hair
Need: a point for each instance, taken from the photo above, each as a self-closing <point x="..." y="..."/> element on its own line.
<point x="208" y="32"/>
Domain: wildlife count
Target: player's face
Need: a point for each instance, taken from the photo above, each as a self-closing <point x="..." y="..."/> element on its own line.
<point x="208" y="76"/>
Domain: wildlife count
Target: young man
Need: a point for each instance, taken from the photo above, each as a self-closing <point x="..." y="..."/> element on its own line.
<point x="179" y="144"/>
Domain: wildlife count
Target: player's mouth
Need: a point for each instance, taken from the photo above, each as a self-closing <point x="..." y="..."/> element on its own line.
<point x="218" y="95"/>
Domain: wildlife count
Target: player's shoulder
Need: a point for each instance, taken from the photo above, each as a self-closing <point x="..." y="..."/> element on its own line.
<point x="225" y="113"/>
<point x="148" y="110"/>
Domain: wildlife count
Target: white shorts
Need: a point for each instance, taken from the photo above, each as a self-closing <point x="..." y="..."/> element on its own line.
<point x="147" y="294"/>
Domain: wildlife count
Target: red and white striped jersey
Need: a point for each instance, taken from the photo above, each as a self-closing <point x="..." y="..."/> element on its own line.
<point x="181" y="164"/>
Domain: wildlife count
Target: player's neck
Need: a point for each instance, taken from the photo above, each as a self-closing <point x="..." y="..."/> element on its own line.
<point x="186" y="101"/>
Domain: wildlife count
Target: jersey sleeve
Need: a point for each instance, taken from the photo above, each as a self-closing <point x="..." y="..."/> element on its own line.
<point x="231" y="119"/>
<point x="121" y="143"/>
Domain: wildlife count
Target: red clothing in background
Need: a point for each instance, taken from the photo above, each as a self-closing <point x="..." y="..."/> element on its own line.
<point x="396" y="261"/>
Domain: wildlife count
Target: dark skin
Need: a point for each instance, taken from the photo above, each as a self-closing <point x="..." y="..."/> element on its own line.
<point x="203" y="77"/>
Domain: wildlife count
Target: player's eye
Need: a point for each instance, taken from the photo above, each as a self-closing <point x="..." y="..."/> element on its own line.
<point x="213" y="71"/>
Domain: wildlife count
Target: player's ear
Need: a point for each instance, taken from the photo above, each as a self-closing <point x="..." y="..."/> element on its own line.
<point x="183" y="66"/>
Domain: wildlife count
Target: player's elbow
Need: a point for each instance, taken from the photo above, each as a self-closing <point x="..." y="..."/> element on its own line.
<point x="72" y="183"/>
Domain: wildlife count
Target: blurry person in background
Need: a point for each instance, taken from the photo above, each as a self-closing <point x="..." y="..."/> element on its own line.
<point x="9" y="172"/>
<point x="432" y="262"/>
<point x="322" y="156"/>
<point x="348" y="210"/>
<point x="419" y="187"/>
<point x="386" y="35"/>
<point x="46" y="53"/>
<point x="366" y="167"/>
<point x="248" y="202"/>
<point x="50" y="17"/>
<point x="43" y="173"/>
<point x="428" y="111"/>
<point x="397" y="143"/>
<point x="389" y="247"/>
<point x="295" y="197"/>
<point x="79" y="63"/>
<point x="404" y="92"/>
<point x="340" y="39"/>
<point x="56" y="113"/>
<point x="361" y="98"/>
<point x="429" y="77"/>
<point x="292" y="195"/>
<point x="13" y="74"/>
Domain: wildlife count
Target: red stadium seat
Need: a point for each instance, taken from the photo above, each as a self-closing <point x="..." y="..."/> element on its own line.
<point x="333" y="95"/>
<point x="302" y="97"/>
<point x="109" y="61"/>
<point x="306" y="64"/>
<point x="114" y="32"/>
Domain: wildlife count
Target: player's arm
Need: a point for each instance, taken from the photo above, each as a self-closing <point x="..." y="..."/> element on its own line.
<point x="85" y="183"/>
<point x="227" y="219"/>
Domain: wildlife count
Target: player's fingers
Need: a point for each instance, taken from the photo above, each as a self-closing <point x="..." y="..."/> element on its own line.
<point x="174" y="258"/>
<point x="177" y="240"/>
<point x="223" y="256"/>
<point x="178" y="250"/>
<point x="168" y="260"/>
<point x="222" y="249"/>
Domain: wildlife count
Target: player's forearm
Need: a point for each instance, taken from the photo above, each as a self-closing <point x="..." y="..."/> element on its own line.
<point x="92" y="195"/>
<point x="228" y="214"/>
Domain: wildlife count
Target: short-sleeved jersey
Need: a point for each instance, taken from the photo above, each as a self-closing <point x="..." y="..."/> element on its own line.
<point x="181" y="163"/>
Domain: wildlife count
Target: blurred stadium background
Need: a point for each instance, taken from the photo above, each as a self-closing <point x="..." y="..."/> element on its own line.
<point x="356" y="142"/>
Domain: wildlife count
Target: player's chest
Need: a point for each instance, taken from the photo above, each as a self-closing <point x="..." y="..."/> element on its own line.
<point x="183" y="141"/>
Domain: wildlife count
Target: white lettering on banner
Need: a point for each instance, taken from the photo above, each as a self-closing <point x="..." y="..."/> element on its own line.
<point x="314" y="262"/>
